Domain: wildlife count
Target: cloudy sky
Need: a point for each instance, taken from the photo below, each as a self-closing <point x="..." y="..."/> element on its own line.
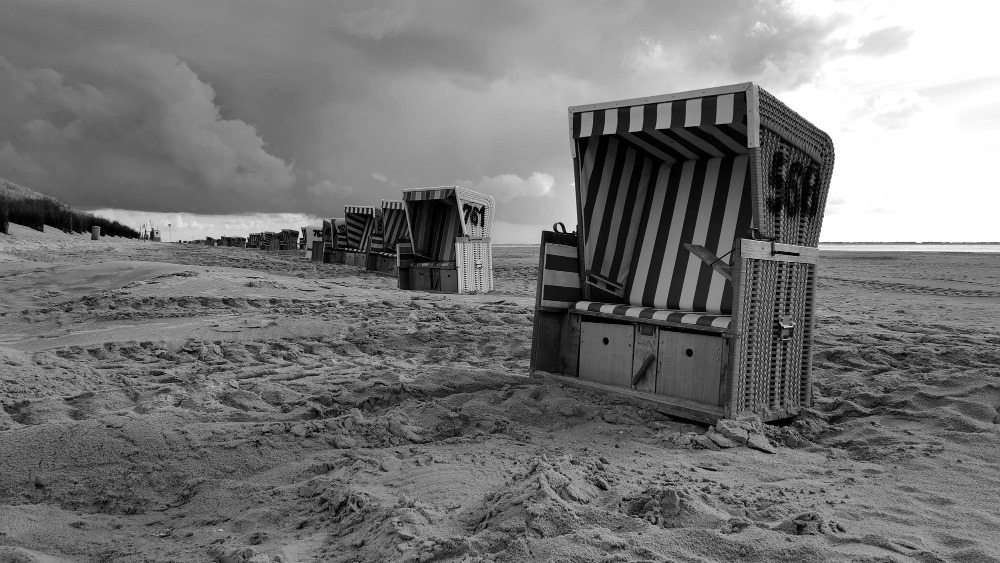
<point x="226" y="116"/>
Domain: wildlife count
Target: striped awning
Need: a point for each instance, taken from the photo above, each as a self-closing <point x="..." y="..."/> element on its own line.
<point x="428" y="193"/>
<point x="700" y="127"/>
<point x="359" y="209"/>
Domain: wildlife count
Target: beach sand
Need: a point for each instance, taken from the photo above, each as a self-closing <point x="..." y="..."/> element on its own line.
<point x="165" y="402"/>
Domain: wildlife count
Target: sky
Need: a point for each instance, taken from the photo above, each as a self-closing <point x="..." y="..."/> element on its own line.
<point x="223" y="117"/>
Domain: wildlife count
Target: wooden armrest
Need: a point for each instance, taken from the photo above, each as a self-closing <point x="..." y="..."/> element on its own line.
<point x="767" y="250"/>
<point x="711" y="259"/>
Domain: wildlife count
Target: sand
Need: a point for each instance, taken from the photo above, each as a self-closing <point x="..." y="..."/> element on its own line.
<point x="166" y="402"/>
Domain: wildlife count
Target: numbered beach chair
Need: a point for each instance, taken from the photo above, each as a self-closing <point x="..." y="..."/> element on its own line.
<point x="383" y="257"/>
<point x="450" y="249"/>
<point x="360" y="221"/>
<point x="691" y="281"/>
<point x="312" y="234"/>
<point x="253" y="240"/>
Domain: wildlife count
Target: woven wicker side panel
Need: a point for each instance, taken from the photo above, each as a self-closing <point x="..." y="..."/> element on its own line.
<point x="770" y="371"/>
<point x="792" y="213"/>
<point x="475" y="266"/>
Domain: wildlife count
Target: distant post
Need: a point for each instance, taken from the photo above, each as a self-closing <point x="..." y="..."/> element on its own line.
<point x="95" y="233"/>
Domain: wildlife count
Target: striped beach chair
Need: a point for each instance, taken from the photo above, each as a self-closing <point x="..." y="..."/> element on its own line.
<point x="690" y="283"/>
<point x="270" y="241"/>
<point x="450" y="229"/>
<point x="288" y="239"/>
<point x="360" y="226"/>
<point x="383" y="256"/>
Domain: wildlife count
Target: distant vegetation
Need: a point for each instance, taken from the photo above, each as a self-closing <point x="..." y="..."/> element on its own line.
<point x="31" y="209"/>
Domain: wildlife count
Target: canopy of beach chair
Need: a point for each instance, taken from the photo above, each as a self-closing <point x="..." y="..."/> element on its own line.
<point x="436" y="216"/>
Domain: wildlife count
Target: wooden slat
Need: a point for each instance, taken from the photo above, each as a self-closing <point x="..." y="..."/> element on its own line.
<point x="606" y="353"/>
<point x="765" y="250"/>
<point x="696" y="377"/>
<point x="646" y="346"/>
<point x="708" y="257"/>
<point x="708" y="414"/>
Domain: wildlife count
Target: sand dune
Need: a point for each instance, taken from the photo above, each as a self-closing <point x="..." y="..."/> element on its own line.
<point x="180" y="403"/>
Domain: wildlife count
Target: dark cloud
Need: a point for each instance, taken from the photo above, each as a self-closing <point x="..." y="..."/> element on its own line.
<point x="253" y="106"/>
<point x="885" y="41"/>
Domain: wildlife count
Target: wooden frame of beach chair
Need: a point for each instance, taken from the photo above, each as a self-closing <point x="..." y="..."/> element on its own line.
<point x="383" y="256"/>
<point x="690" y="285"/>
<point x="449" y="248"/>
<point x="360" y="224"/>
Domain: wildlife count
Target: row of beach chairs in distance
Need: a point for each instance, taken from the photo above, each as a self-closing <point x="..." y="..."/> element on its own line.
<point x="434" y="239"/>
<point x="689" y="282"/>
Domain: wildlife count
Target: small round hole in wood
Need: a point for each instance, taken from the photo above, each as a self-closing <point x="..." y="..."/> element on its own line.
<point x="689" y="352"/>
<point x="606" y="341"/>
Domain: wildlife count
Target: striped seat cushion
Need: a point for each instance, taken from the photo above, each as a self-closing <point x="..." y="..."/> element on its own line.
<point x="445" y="265"/>
<point x="632" y="312"/>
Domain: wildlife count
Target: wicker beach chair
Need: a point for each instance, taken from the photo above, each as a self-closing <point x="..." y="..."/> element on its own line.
<point x="449" y="248"/>
<point x="312" y="234"/>
<point x="382" y="256"/>
<point x="360" y="223"/>
<point x="288" y="239"/>
<point x="691" y="281"/>
<point x="270" y="241"/>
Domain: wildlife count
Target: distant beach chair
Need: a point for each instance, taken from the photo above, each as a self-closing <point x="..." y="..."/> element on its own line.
<point x="334" y="240"/>
<point x="288" y="239"/>
<point x="270" y="241"/>
<point x="691" y="282"/>
<point x="360" y="221"/>
<point x="383" y="256"/>
<point x="310" y="236"/>
<point x="254" y="240"/>
<point x="450" y="249"/>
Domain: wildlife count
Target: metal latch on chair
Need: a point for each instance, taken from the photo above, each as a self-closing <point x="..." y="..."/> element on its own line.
<point x="787" y="326"/>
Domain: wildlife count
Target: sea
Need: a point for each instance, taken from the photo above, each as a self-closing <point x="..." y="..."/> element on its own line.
<point x="981" y="248"/>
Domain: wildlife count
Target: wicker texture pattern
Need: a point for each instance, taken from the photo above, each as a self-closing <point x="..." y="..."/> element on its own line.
<point x="475" y="266"/>
<point x="793" y="166"/>
<point x="770" y="374"/>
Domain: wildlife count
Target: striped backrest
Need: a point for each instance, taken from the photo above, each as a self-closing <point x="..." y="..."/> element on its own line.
<point x="701" y="202"/>
<point x="654" y="177"/>
<point x="393" y="223"/>
<point x="434" y="224"/>
<point x="377" y="244"/>
<point x="615" y="178"/>
<point x="560" y="276"/>
<point x="360" y="225"/>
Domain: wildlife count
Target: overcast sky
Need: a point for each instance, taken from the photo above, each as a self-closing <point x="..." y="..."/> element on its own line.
<point x="233" y="115"/>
